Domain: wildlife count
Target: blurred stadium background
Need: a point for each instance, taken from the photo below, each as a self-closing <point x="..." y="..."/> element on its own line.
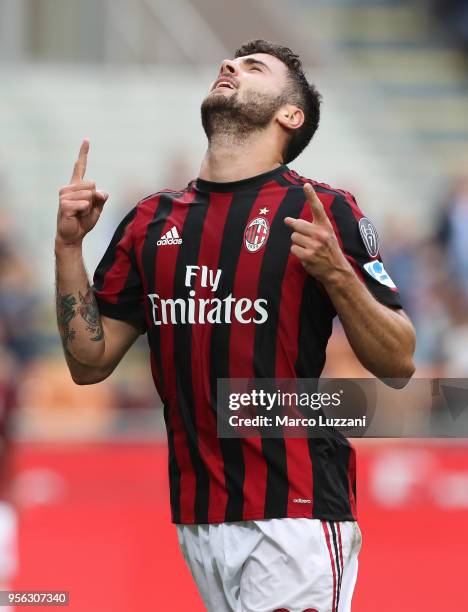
<point x="84" y="501"/>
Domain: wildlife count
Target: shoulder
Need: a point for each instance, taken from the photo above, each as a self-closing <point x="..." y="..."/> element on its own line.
<point x="323" y="188"/>
<point x="147" y="206"/>
<point x="337" y="202"/>
<point x="154" y="198"/>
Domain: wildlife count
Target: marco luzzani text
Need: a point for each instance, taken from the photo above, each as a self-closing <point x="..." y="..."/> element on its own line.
<point x="269" y="401"/>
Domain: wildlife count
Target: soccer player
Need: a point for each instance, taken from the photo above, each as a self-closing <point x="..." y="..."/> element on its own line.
<point x="240" y="275"/>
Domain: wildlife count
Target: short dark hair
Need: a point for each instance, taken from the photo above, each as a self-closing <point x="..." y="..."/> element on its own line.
<point x="301" y="93"/>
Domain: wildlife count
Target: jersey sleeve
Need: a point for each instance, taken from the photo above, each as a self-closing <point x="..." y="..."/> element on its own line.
<point x="117" y="282"/>
<point x="360" y="243"/>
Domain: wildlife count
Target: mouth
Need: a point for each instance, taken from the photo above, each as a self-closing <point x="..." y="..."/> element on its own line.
<point x="223" y="83"/>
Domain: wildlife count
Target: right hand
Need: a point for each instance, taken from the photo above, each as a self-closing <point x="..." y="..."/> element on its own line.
<point x="80" y="204"/>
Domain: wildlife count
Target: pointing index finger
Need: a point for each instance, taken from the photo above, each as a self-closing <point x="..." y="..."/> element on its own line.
<point x="318" y="211"/>
<point x="79" y="168"/>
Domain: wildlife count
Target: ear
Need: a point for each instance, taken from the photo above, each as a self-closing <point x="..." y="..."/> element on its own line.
<point x="290" y="117"/>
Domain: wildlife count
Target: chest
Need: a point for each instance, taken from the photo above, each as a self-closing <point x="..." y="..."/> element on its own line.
<point x="217" y="251"/>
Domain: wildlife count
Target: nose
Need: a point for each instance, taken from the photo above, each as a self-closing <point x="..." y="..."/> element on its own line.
<point x="228" y="67"/>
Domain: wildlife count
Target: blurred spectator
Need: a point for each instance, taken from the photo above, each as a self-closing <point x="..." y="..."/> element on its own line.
<point x="55" y="407"/>
<point x="16" y="349"/>
<point x="18" y="297"/>
<point x="8" y="396"/>
<point x="17" y="303"/>
<point x="8" y="519"/>
<point x="399" y="255"/>
<point x="454" y="16"/>
<point x="429" y="299"/>
<point x="455" y="338"/>
<point x="452" y="232"/>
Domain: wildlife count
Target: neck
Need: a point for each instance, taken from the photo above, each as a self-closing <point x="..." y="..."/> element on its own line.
<point x="230" y="159"/>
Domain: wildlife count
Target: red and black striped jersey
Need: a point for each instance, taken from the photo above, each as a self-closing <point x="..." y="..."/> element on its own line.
<point x="208" y="274"/>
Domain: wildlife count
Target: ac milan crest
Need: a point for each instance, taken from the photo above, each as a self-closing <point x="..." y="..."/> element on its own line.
<point x="256" y="234"/>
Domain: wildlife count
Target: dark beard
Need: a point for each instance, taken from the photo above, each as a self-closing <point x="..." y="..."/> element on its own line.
<point x="225" y="116"/>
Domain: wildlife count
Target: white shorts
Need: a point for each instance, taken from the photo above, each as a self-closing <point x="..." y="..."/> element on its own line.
<point x="286" y="564"/>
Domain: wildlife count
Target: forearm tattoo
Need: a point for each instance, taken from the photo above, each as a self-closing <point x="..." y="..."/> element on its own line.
<point x="89" y="311"/>
<point x="65" y="313"/>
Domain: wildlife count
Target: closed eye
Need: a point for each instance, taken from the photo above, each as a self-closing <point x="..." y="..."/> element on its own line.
<point x="255" y="64"/>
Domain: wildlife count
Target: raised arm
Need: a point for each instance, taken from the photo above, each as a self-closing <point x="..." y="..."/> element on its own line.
<point x="382" y="338"/>
<point x="93" y="344"/>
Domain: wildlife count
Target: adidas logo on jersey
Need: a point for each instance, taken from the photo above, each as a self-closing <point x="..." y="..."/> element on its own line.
<point x="170" y="237"/>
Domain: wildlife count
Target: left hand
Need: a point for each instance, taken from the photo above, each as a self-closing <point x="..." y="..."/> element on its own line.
<point x="315" y="244"/>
